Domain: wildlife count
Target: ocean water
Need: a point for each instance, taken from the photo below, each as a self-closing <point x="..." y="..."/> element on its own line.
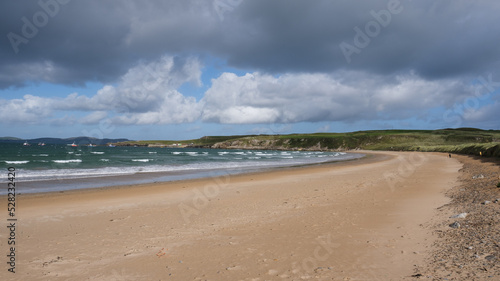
<point x="58" y="167"/>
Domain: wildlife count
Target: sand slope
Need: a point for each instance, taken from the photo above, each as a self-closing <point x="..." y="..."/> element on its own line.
<point x="361" y="220"/>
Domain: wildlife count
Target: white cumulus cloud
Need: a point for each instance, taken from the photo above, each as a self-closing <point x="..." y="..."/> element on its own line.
<point x="29" y="109"/>
<point x="146" y="94"/>
<point x="291" y="98"/>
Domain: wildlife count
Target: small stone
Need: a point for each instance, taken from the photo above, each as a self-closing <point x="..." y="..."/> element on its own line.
<point x="470" y="247"/>
<point x="490" y="258"/>
<point x="455" y="225"/>
<point x="459" y="216"/>
<point x="486" y="202"/>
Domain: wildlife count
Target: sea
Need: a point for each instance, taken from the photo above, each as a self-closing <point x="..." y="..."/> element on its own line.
<point x="52" y="168"/>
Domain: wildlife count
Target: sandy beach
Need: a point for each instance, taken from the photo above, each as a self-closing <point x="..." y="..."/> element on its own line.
<point x="366" y="219"/>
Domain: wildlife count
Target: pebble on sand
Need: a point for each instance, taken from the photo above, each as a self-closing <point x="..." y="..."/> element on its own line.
<point x="459" y="216"/>
<point x="490" y="258"/>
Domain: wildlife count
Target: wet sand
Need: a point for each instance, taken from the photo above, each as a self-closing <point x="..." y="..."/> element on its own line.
<point x="357" y="220"/>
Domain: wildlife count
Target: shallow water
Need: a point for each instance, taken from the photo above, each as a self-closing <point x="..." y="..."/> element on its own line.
<point x="57" y="167"/>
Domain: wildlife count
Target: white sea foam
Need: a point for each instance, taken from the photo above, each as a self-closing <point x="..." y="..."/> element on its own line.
<point x="17" y="162"/>
<point x="97" y="152"/>
<point x="152" y="152"/>
<point x="67" y="161"/>
<point x="40" y="155"/>
<point x="221" y="161"/>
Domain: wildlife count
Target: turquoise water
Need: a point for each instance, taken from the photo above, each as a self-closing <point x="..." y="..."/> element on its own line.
<point x="59" y="167"/>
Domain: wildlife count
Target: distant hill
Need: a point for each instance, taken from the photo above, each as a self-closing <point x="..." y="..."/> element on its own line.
<point x="462" y="141"/>
<point x="76" y="140"/>
<point x="9" y="139"/>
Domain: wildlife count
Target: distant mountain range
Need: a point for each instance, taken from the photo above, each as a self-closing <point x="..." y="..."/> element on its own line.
<point x="76" y="140"/>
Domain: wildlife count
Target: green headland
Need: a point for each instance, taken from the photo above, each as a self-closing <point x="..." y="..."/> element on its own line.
<point x="461" y="141"/>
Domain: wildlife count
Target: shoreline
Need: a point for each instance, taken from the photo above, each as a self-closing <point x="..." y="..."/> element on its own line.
<point x="340" y="220"/>
<point x="204" y="175"/>
<point x="53" y="170"/>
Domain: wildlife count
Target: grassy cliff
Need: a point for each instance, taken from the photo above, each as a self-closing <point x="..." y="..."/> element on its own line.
<point x="462" y="141"/>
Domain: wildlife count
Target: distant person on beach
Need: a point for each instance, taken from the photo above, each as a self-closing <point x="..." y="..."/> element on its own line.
<point x="449" y="155"/>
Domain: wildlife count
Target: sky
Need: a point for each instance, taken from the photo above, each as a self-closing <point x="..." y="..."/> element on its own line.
<point x="183" y="69"/>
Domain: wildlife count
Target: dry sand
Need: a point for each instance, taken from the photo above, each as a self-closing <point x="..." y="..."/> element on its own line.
<point x="359" y="220"/>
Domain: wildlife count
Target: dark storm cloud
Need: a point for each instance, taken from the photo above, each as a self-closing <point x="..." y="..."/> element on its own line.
<point x="100" y="40"/>
<point x="434" y="38"/>
<point x="81" y="42"/>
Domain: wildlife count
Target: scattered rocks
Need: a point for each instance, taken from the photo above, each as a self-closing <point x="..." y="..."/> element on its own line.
<point x="58" y="259"/>
<point x="459" y="216"/>
<point x="468" y="247"/>
<point x="322" y="269"/>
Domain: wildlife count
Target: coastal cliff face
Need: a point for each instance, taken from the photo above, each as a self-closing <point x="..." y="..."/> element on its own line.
<point x="273" y="144"/>
<point x="251" y="144"/>
<point x="460" y="141"/>
<point x="260" y="143"/>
